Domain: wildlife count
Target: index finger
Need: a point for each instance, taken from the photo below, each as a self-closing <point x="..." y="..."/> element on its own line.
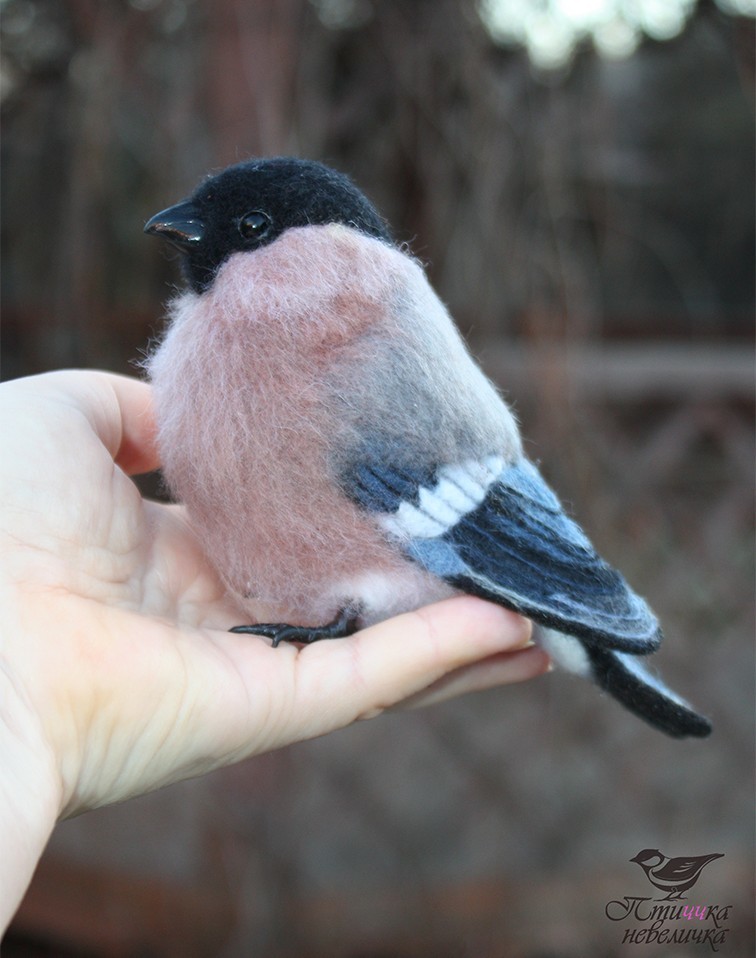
<point x="119" y="409"/>
<point x="137" y="452"/>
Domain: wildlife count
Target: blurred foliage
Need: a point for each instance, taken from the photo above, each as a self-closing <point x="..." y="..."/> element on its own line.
<point x="611" y="197"/>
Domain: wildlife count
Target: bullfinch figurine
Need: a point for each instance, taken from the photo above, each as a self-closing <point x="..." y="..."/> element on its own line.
<point x="342" y="456"/>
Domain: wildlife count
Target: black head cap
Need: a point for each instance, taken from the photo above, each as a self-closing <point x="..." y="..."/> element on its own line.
<point x="250" y="204"/>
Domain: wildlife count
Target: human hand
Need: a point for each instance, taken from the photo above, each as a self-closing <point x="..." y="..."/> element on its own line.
<point x="117" y="672"/>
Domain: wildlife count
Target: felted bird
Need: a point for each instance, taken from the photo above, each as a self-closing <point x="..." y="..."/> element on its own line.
<point x="340" y="453"/>
<point x="673" y="875"/>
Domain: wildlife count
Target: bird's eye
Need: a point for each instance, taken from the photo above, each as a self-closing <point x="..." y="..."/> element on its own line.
<point x="254" y="225"/>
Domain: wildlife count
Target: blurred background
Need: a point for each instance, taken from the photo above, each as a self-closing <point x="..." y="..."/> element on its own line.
<point x="578" y="176"/>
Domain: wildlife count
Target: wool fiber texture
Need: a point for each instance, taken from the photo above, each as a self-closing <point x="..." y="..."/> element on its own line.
<point x="337" y="447"/>
<point x="323" y="347"/>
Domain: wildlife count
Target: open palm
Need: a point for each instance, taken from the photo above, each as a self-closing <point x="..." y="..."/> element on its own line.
<point x="119" y="674"/>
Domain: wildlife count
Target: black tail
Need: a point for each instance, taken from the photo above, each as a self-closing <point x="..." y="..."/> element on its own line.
<point x="630" y="683"/>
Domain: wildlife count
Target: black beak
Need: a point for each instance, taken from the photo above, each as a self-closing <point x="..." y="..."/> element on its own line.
<point x="181" y="225"/>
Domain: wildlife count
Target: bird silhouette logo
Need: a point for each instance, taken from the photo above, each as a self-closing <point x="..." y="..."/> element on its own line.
<point x="672" y="875"/>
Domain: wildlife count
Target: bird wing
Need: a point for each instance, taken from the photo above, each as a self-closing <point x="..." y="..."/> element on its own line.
<point x="681" y="869"/>
<point x="497" y="530"/>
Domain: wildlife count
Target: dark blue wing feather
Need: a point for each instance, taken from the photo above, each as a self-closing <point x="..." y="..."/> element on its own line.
<point x="379" y="486"/>
<point x="518" y="548"/>
<point x="506" y="538"/>
<point x="519" y="545"/>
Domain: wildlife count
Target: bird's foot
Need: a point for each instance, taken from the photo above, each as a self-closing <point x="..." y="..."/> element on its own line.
<point x="344" y="624"/>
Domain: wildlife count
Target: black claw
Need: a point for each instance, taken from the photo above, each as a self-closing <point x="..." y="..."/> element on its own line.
<point x="344" y="624"/>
